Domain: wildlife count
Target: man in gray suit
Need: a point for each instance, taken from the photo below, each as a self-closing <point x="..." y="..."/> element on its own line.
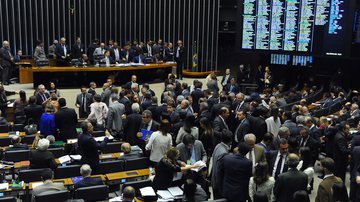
<point x="105" y="95"/>
<point x="219" y="152"/>
<point x="100" y="50"/>
<point x="114" y="118"/>
<point x="83" y="101"/>
<point x="212" y="85"/>
<point x="48" y="185"/>
<point x="191" y="150"/>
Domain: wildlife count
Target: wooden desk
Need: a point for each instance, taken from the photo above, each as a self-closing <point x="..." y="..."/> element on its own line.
<point x="128" y="174"/>
<point x="5" y="135"/>
<point x="26" y="75"/>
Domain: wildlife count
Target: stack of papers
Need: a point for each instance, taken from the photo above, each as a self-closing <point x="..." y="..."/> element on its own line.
<point x="76" y="157"/>
<point x="35" y="184"/>
<point x="100" y="139"/>
<point x="4" y="186"/>
<point x="171" y="193"/>
<point x="65" y="159"/>
<point x="201" y="165"/>
<point x="147" y="191"/>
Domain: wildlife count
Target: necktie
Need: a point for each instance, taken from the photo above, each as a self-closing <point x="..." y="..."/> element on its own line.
<point x="64" y="48"/>
<point x="117" y="57"/>
<point x="278" y="167"/>
<point x="146" y="126"/>
<point x="236" y="132"/>
<point x="43" y="97"/>
<point x="193" y="157"/>
<point x="84" y="102"/>
<point x="178" y="52"/>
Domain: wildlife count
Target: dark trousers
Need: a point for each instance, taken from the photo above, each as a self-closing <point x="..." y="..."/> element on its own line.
<point x="179" y="68"/>
<point x="5" y="74"/>
<point x="217" y="194"/>
<point x="340" y="170"/>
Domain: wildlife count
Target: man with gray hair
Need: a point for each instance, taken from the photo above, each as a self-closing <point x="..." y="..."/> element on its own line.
<point x="256" y="154"/>
<point x="51" y="49"/>
<point x="7" y="62"/>
<point x="148" y="123"/>
<point x="62" y="52"/>
<point x="41" y="157"/>
<point x="87" y="181"/>
<point x="283" y="133"/>
<point x="185" y="104"/>
<point x="42" y="96"/>
<point x="115" y="116"/>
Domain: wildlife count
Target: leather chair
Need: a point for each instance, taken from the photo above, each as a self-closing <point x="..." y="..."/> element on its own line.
<point x="93" y="193"/>
<point x="111" y="166"/>
<point x="135" y="164"/>
<point x="67" y="171"/>
<point x="54" y="196"/>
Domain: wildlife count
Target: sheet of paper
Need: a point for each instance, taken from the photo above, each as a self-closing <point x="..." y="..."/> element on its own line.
<point x="35" y="184"/>
<point x="201" y="165"/>
<point x="71" y="141"/>
<point x="165" y="194"/>
<point x="147" y="191"/>
<point x="4" y="186"/>
<point x="64" y="159"/>
<point x="76" y="157"/>
<point x="100" y="139"/>
<point x="175" y="191"/>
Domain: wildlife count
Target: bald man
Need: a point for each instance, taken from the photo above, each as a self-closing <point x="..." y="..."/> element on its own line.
<point x="7" y="63"/>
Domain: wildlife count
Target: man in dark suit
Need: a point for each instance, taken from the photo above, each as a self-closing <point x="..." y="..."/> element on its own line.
<point x="355" y="168"/>
<point x="314" y="131"/>
<point x="148" y="123"/>
<point x="325" y="193"/>
<point x="226" y="78"/>
<point x="220" y="123"/>
<point x="158" y="48"/>
<point x="83" y="101"/>
<point x="179" y="58"/>
<point x="218" y="154"/>
<point x="169" y="52"/>
<point x="92" y="88"/>
<point x="128" y="54"/>
<point x="105" y="95"/>
<point x="307" y="141"/>
<point x="65" y="121"/>
<point x="77" y="49"/>
<point x="243" y="127"/>
<point x="88" y="147"/>
<point x="115" y="52"/>
<point x="289" y="182"/>
<point x="62" y="52"/>
<point x="236" y="171"/>
<point x="115" y="117"/>
<point x="33" y="111"/>
<point x="154" y="108"/>
<point x="341" y="150"/>
<point x="125" y="95"/>
<point x="132" y="125"/>
<point x="16" y="144"/>
<point x="91" y="49"/>
<point x="196" y="95"/>
<point x="42" y="96"/>
<point x="277" y="159"/>
<point x="87" y="180"/>
<point x="232" y="87"/>
<point x="7" y="62"/>
<point x="242" y="75"/>
<point x="258" y="127"/>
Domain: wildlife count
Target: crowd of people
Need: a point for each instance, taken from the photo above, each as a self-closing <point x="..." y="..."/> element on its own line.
<point x="262" y="146"/>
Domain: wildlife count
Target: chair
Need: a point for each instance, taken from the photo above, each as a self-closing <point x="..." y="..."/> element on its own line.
<point x="93" y="193"/>
<point x="113" y="147"/>
<point x="28" y="139"/>
<point x="57" y="152"/>
<point x="54" y="196"/>
<point x="4" y="128"/>
<point x="67" y="171"/>
<point x="18" y="127"/>
<point x="4" y="142"/>
<point x="111" y="166"/>
<point x="16" y="156"/>
<point x="31" y="175"/>
<point x="135" y="164"/>
<point x="218" y="200"/>
<point x="8" y="199"/>
<point x="98" y="133"/>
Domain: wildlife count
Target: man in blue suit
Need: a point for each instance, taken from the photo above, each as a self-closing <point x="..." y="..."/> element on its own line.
<point x="236" y="170"/>
<point x="87" y="181"/>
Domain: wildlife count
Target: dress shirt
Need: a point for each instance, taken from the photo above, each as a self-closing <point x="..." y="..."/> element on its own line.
<point x="117" y="55"/>
<point x="226" y="79"/>
<point x="227" y="127"/>
<point x="276" y="164"/>
<point x="65" y="51"/>
<point x="251" y="156"/>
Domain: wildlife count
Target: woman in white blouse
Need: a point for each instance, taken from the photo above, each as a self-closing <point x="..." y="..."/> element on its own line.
<point x="261" y="181"/>
<point x="188" y="128"/>
<point x="306" y="164"/>
<point x="159" y="142"/>
<point x="273" y="123"/>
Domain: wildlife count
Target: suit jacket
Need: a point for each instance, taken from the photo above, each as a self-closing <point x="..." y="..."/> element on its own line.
<point x="154" y="108"/>
<point x="313" y="145"/>
<point x="88" y="182"/>
<point x="219" y="126"/>
<point x="90" y="52"/>
<point x="131" y="55"/>
<point x="185" y="154"/>
<point x="258" y="127"/>
<point x="288" y="183"/>
<point x="105" y="96"/>
<point x="154" y="126"/>
<point x="114" y="118"/>
<point x="234" y="89"/>
<point x="42" y="159"/>
<point x="113" y="55"/>
<point x="77" y="51"/>
<point x="137" y="59"/>
<point x="242" y="129"/>
<point x="99" y="51"/>
<point x="181" y="53"/>
<point x="34" y="112"/>
<point x="88" y="101"/>
<point x="213" y="86"/>
<point x="88" y="148"/>
<point x="92" y="91"/>
<point x="65" y="121"/>
<point x="324" y="193"/>
<point x="271" y="159"/>
<point x="39" y="99"/>
<point x="5" y="57"/>
<point x="216" y="175"/>
<point x="125" y="101"/>
<point x="48" y="187"/>
<point x="227" y="81"/>
<point x="133" y="124"/>
<point x="196" y="95"/>
<point x="59" y="52"/>
<point x="169" y="54"/>
<point x="315" y="133"/>
<point x="341" y="150"/>
<point x="237" y="171"/>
